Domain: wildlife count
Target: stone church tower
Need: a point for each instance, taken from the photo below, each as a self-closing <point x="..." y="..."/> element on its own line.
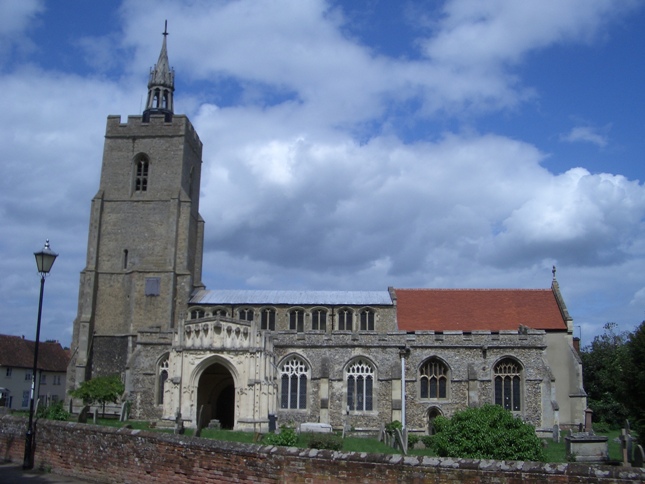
<point x="144" y="255"/>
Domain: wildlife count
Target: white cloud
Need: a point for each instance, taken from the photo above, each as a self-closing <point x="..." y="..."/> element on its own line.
<point x="15" y="18"/>
<point x="586" y="134"/>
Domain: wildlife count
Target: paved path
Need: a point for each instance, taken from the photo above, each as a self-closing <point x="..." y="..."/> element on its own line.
<point x="13" y="474"/>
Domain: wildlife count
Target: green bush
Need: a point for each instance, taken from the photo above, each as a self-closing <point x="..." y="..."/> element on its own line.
<point x="53" y="412"/>
<point x="487" y="432"/>
<point x="413" y="439"/>
<point x="286" y="437"/>
<point x="325" y="441"/>
<point x="391" y="426"/>
<point x="601" y="427"/>
<point x="427" y="441"/>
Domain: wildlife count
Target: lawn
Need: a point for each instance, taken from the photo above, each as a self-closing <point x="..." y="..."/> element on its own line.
<point x="554" y="452"/>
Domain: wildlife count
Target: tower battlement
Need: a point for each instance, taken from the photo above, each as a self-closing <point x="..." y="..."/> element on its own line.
<point x="180" y="125"/>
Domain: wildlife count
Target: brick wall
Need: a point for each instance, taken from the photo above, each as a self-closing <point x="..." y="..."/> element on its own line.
<point x="103" y="454"/>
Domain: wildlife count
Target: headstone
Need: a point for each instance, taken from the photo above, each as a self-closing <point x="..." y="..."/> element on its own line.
<point x="556" y="433"/>
<point x="400" y="442"/>
<point x="200" y="421"/>
<point x="179" y="424"/>
<point x="639" y="456"/>
<point x="123" y="416"/>
<point x="315" y="427"/>
<point x="36" y="407"/>
<point x="82" y="417"/>
<point x="95" y="415"/>
<point x="588" y="425"/>
<point x="626" y="444"/>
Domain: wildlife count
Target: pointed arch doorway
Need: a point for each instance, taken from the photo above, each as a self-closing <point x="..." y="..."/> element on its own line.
<point x="216" y="392"/>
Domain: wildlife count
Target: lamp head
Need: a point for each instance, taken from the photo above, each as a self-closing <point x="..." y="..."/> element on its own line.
<point x="45" y="259"/>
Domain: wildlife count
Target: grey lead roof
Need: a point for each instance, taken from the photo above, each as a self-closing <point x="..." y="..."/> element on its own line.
<point x="293" y="298"/>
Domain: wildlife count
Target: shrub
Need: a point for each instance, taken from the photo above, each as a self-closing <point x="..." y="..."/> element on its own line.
<point x="325" y="441"/>
<point x="487" y="432"/>
<point x="413" y="439"/>
<point x="391" y="426"/>
<point x="427" y="441"/>
<point x="53" y="412"/>
<point x="287" y="437"/>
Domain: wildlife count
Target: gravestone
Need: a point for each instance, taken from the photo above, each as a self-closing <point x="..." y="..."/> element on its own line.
<point x="82" y="417"/>
<point x="639" y="456"/>
<point x="556" y="433"/>
<point x="179" y="424"/>
<point x="315" y="427"/>
<point x="123" y="416"/>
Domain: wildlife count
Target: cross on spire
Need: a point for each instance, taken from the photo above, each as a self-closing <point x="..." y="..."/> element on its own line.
<point x="165" y="29"/>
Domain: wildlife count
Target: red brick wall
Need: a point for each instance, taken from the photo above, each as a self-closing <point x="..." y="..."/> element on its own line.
<point x="104" y="454"/>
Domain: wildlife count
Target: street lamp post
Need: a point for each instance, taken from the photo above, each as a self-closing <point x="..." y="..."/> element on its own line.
<point x="44" y="260"/>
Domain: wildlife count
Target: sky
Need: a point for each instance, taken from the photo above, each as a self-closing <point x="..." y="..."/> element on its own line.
<point x="347" y="145"/>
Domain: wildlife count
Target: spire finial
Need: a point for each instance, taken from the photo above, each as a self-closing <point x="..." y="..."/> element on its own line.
<point x="553" y="272"/>
<point x="161" y="85"/>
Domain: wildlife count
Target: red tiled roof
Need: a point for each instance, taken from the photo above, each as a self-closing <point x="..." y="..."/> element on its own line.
<point x="477" y="309"/>
<point x="19" y="353"/>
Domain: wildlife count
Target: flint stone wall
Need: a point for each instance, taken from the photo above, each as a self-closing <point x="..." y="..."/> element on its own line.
<point x="109" y="455"/>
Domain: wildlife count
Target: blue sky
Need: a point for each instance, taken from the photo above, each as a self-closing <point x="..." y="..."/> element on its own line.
<point x="347" y="145"/>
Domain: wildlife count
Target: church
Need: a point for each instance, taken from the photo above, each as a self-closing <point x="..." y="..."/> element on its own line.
<point x="246" y="357"/>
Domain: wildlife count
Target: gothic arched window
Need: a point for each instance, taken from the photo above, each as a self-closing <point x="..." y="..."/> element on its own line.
<point x="508" y="384"/>
<point x="267" y="320"/>
<point x="319" y="320"/>
<point x="367" y="320"/>
<point x="345" y="317"/>
<point x="297" y="320"/>
<point x="360" y="386"/>
<point x="142" y="167"/>
<point x="293" y="381"/>
<point x="246" y="314"/>
<point x="433" y="379"/>
<point x="161" y="379"/>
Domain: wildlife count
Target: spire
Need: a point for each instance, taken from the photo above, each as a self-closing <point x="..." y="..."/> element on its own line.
<point x="161" y="85"/>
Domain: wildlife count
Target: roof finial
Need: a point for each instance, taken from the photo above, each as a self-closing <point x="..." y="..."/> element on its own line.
<point x="553" y="271"/>
<point x="165" y="29"/>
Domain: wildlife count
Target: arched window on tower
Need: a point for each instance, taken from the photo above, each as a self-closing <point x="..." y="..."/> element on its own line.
<point x="293" y="383"/>
<point x="508" y="384"/>
<point x="297" y="320"/>
<point x="319" y="320"/>
<point x="161" y="379"/>
<point x="142" y="167"/>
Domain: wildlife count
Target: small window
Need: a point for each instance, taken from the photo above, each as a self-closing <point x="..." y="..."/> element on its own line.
<point x="152" y="286"/>
<point x="28" y="376"/>
<point x="141" y="178"/>
<point x="56" y="379"/>
<point x="367" y="320"/>
<point x="197" y="314"/>
<point x="297" y="320"/>
<point x="25" y="398"/>
<point x="268" y="319"/>
<point x="246" y="314"/>
<point x="9" y="370"/>
<point x="43" y="379"/>
<point x="345" y="319"/>
<point x="319" y="320"/>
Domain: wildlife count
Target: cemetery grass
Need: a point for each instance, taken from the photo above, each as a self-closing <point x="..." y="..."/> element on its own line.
<point x="554" y="451"/>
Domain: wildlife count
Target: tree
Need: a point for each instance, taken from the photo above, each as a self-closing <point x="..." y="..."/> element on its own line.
<point x="633" y="377"/>
<point x="602" y="369"/>
<point x="487" y="432"/>
<point x="102" y="389"/>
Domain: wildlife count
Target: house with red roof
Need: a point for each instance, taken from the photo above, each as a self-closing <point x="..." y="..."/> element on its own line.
<point x="16" y="368"/>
